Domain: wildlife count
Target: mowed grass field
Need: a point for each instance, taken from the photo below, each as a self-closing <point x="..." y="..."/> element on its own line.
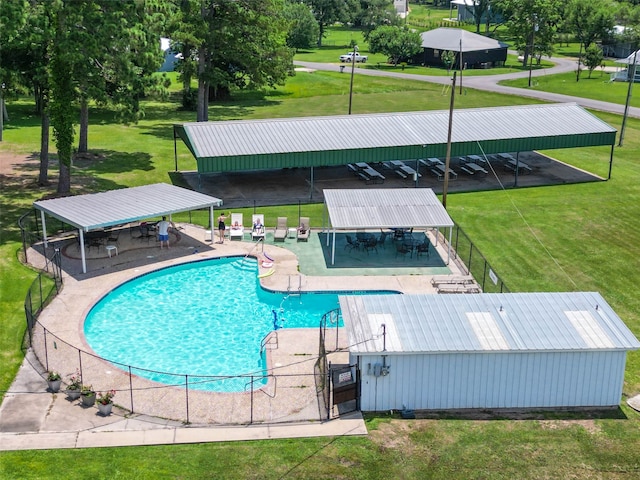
<point x="571" y="237"/>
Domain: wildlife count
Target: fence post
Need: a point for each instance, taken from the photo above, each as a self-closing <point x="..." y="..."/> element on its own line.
<point x="80" y="365"/>
<point x="251" y="404"/>
<point x="186" y="390"/>
<point x="130" y="388"/>
<point x="46" y="352"/>
<point x="484" y="275"/>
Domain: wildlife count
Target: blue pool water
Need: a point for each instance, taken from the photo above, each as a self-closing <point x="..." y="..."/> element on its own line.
<point x="204" y="318"/>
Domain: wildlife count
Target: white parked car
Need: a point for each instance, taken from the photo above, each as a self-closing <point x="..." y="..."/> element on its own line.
<point x="348" y="58"/>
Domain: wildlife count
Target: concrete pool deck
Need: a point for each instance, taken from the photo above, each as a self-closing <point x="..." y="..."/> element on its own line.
<point x="31" y="417"/>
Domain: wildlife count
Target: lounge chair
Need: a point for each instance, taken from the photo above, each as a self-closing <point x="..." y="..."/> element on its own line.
<point x="257" y="230"/>
<point x="281" y="230"/>
<point x="236" y="230"/>
<point x="303" y="229"/>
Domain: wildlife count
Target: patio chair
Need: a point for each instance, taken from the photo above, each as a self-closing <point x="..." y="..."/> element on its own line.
<point x="402" y="249"/>
<point x="304" y="229"/>
<point x="351" y="243"/>
<point x="371" y="243"/>
<point x="257" y="230"/>
<point x="236" y="230"/>
<point x="113" y="238"/>
<point x="281" y="230"/>
<point x="382" y="239"/>
<point x="423" y="249"/>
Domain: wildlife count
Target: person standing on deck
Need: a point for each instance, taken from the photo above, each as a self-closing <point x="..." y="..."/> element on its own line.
<point x="221" y="226"/>
<point x="163" y="231"/>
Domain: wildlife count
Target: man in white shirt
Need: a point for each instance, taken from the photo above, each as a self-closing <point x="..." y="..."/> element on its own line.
<point x="163" y="231"/>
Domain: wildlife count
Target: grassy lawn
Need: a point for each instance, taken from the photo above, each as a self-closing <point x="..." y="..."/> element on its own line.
<point x="597" y="87"/>
<point x="572" y="237"/>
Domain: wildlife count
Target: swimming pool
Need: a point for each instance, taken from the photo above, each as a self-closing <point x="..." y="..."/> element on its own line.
<point x="204" y="318"/>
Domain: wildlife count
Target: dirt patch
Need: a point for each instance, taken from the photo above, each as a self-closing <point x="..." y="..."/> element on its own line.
<point x="589" y="425"/>
<point x="393" y="435"/>
<point x="18" y="164"/>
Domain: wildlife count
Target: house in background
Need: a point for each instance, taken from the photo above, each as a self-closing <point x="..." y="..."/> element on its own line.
<point x="170" y="57"/>
<point x="402" y="7"/>
<point x="627" y="65"/>
<point x="477" y="51"/>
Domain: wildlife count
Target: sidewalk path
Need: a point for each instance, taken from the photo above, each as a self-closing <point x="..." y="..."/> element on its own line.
<point x="490" y="83"/>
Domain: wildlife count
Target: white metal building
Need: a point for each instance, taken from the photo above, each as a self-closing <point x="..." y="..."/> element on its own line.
<point x="498" y="350"/>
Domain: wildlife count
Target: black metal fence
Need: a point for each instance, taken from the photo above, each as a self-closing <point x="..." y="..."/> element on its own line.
<point x="42" y="290"/>
<point x="472" y="260"/>
<point x="266" y="397"/>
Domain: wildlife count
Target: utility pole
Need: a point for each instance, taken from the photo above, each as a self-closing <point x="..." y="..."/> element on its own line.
<point x="447" y="160"/>
<point x="353" y="67"/>
<point x="533" y="44"/>
<point x="631" y="76"/>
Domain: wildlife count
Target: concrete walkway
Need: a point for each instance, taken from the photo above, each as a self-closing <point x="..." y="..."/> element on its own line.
<point x="33" y="418"/>
<point x="490" y="83"/>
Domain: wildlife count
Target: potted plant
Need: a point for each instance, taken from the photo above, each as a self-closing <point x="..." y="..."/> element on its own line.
<point x="105" y="402"/>
<point x="74" y="386"/>
<point x="54" y="380"/>
<point x="88" y="396"/>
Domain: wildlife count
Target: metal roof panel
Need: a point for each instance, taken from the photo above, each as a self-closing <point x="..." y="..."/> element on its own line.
<point x="500" y="322"/>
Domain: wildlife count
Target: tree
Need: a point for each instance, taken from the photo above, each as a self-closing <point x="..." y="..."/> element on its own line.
<point x="398" y="43"/>
<point x="593" y="58"/>
<point x="66" y="22"/>
<point x="448" y="57"/>
<point x="236" y="44"/>
<point x="13" y="16"/>
<point x="532" y="24"/>
<point x="481" y="9"/>
<point x="589" y="20"/>
<point x="374" y="14"/>
<point x="303" y="28"/>
<point x="328" y="12"/>
<point x="121" y="59"/>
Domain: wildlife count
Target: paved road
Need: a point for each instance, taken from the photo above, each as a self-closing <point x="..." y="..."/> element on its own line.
<point x="490" y="83"/>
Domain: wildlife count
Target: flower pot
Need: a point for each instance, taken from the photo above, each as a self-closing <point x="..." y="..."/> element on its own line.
<point x="105" y="408"/>
<point x="54" y="385"/>
<point x="73" y="394"/>
<point x="88" y="399"/>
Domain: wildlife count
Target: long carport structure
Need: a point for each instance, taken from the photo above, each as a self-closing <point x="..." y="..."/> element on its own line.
<point x="105" y="209"/>
<point x="353" y="209"/>
<point x="337" y="140"/>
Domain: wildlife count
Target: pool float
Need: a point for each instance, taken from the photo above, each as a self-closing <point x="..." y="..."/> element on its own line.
<point x="267" y="273"/>
<point x="267" y="264"/>
<point x="268" y="257"/>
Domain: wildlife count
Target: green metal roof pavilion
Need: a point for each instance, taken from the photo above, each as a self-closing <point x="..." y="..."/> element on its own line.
<point x="337" y="140"/>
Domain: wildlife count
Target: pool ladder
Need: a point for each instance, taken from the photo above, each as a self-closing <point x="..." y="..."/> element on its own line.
<point x="255" y="246"/>
<point x="270" y="340"/>
<point x="289" y="289"/>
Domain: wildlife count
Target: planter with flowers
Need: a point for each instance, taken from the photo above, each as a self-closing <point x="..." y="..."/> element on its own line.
<point x="105" y="402"/>
<point x="54" y="380"/>
<point x="88" y="396"/>
<point x="74" y="387"/>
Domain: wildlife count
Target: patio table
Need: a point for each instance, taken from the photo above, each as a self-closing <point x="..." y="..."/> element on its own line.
<point x="477" y="159"/>
<point x="430" y="162"/>
<point x="475" y="168"/>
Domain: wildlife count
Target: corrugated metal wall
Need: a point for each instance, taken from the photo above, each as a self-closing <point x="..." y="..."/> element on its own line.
<point x="409" y="152"/>
<point x="494" y="380"/>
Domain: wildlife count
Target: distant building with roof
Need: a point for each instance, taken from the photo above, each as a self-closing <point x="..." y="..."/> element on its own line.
<point x="477" y="51"/>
